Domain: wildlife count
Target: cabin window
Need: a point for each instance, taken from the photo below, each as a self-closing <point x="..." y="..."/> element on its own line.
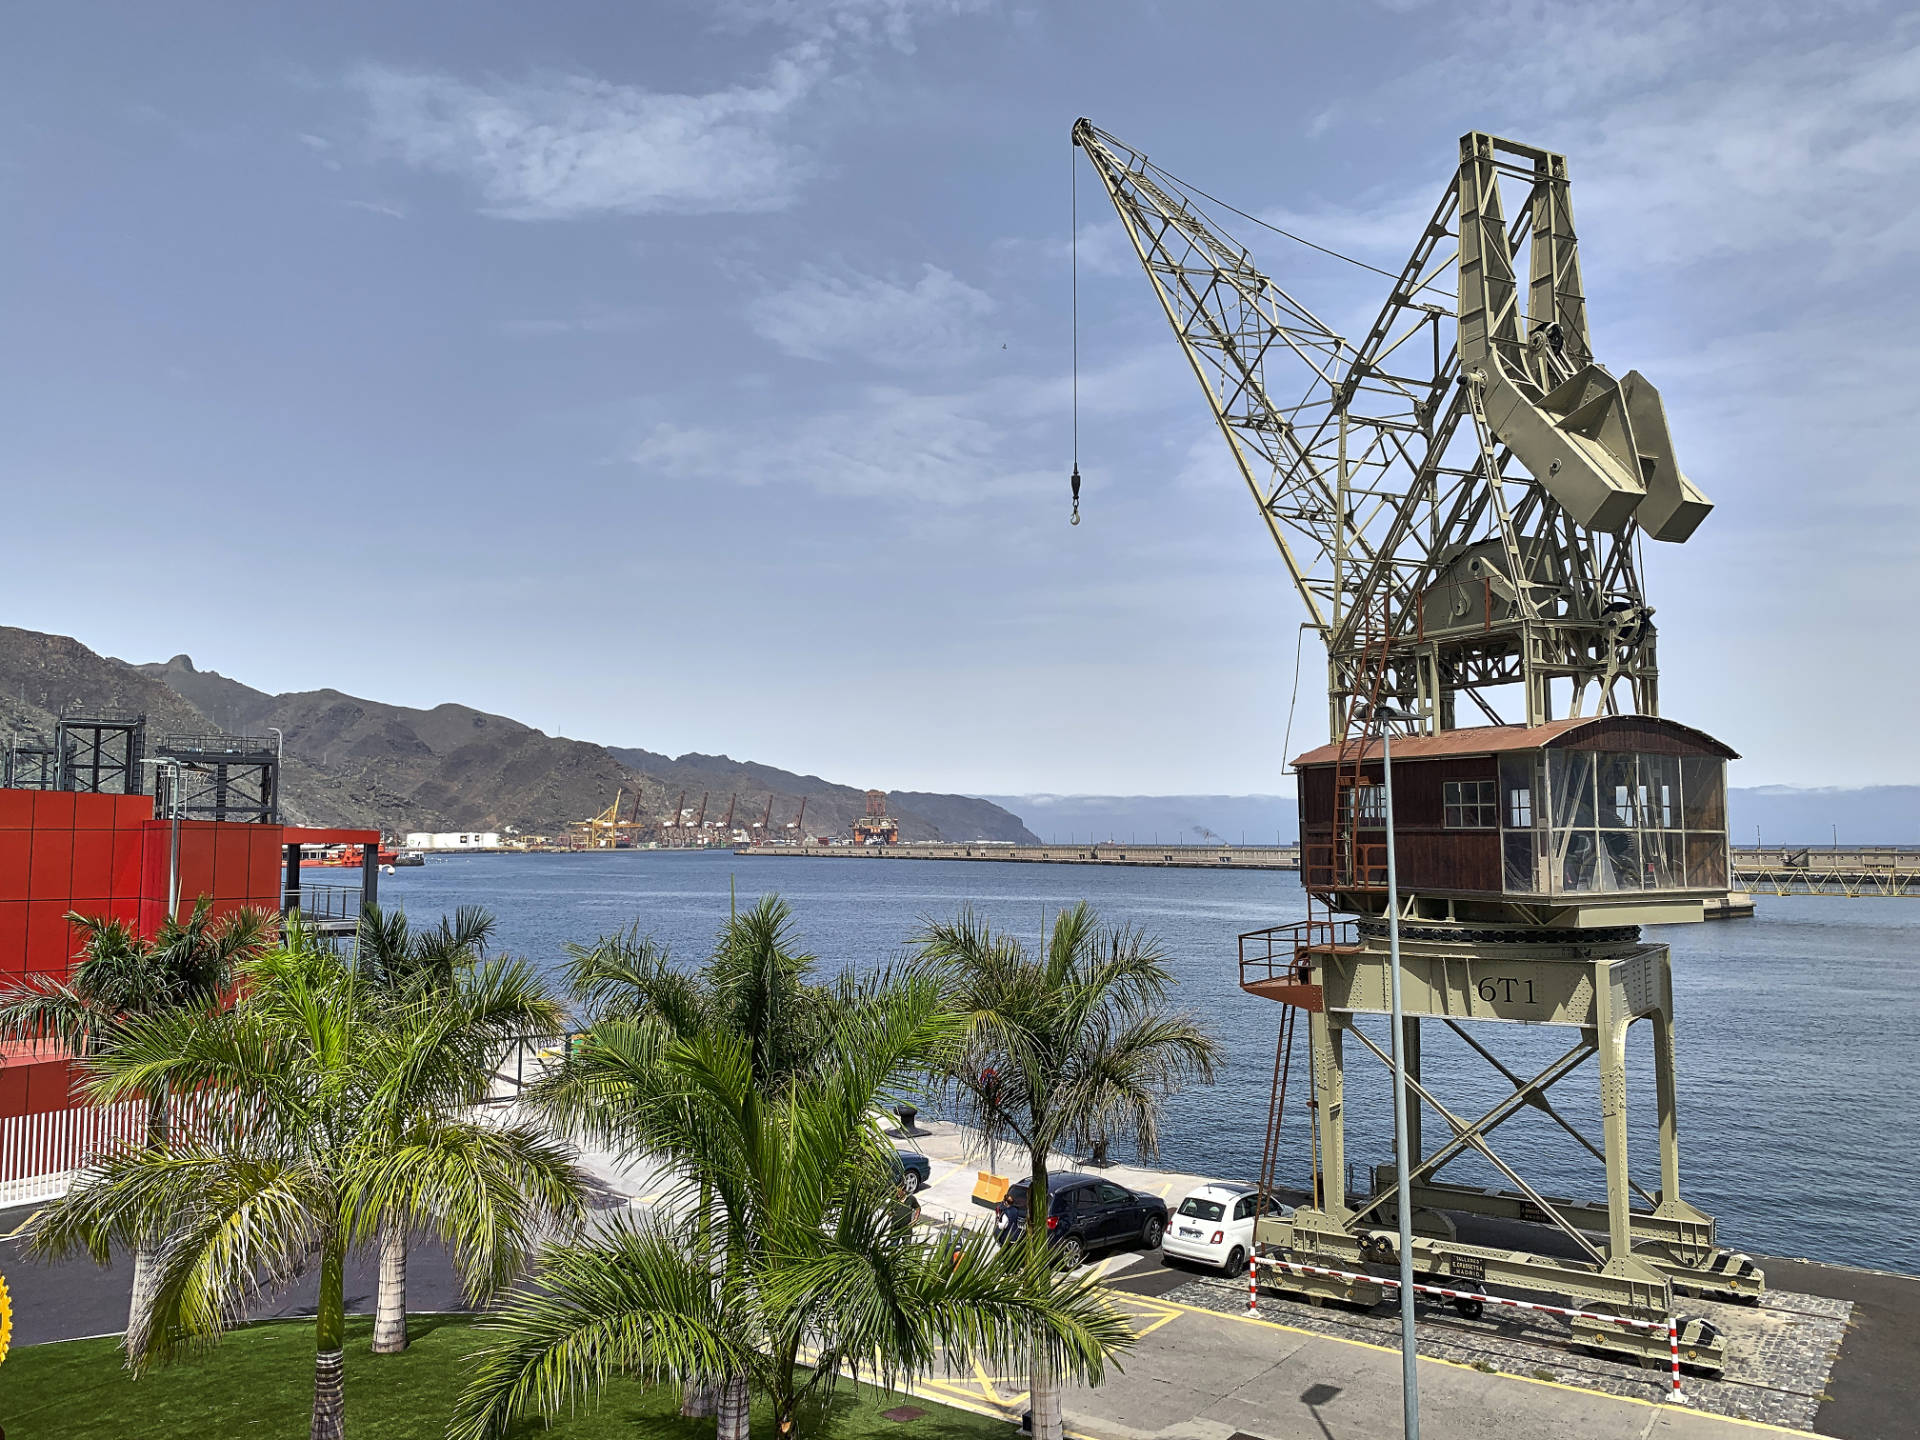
<point x="1367" y="802"/>
<point x="1471" y="804"/>
<point x="1625" y="822"/>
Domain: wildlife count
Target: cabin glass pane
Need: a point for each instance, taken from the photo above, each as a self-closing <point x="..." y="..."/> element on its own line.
<point x="1618" y="784"/>
<point x="1619" y="867"/>
<point x="1703" y="790"/>
<point x="1570" y="784"/>
<point x="1706" y="861"/>
<point x="1576" y="861"/>
<point x="1660" y="786"/>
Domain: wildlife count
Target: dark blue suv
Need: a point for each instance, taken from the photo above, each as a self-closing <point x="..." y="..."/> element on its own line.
<point x="915" y="1170"/>
<point x="1087" y="1212"/>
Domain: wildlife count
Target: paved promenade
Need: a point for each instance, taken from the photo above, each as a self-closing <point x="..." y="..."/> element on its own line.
<point x="1205" y="1370"/>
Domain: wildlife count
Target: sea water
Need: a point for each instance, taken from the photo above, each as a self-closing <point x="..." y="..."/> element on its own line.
<point x="1798" y="1031"/>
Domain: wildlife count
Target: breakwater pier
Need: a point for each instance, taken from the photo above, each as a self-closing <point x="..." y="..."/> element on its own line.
<point x="1177" y="857"/>
<point x="1855" y="871"/>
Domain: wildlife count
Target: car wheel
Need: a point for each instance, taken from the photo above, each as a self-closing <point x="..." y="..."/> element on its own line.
<point x="1236" y="1262"/>
<point x="1150" y="1236"/>
<point x="912" y="1181"/>
<point x="1073" y="1251"/>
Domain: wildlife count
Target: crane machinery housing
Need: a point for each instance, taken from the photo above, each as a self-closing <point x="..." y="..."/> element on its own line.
<point x="1460" y="499"/>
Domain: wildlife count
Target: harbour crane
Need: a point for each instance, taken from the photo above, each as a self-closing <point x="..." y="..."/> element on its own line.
<point x="700" y="820"/>
<point x="799" y="820"/>
<point x="1463" y="490"/>
<point x="1460" y="498"/>
<point x="726" y="826"/>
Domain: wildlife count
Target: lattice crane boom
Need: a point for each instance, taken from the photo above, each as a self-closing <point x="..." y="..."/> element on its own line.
<point x="1458" y="496"/>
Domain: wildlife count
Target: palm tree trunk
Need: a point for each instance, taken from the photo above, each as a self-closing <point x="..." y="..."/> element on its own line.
<point x="1043" y="1395"/>
<point x="390" y="1312"/>
<point x="1043" y="1386"/>
<point x="146" y="1279"/>
<point x="329" y="1337"/>
<point x="733" y="1407"/>
<point x="700" y="1397"/>
<point x="146" y="1253"/>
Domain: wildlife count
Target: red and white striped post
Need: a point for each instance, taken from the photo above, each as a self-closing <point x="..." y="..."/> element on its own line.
<point x="1253" y="1284"/>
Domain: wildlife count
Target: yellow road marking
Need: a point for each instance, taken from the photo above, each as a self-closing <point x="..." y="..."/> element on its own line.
<point x="23" y="1224"/>
<point x="986" y="1385"/>
<point x="1458" y="1365"/>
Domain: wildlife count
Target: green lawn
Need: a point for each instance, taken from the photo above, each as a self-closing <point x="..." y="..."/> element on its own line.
<point x="259" y="1382"/>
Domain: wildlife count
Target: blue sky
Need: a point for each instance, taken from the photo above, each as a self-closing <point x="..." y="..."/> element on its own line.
<point x="696" y="376"/>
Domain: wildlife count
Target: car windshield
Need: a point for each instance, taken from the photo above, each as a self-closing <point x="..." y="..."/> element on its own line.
<point x="1198" y="1209"/>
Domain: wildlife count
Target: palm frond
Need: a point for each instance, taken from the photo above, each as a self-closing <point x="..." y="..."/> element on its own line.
<point x="489" y="1193"/>
<point x="632" y="1302"/>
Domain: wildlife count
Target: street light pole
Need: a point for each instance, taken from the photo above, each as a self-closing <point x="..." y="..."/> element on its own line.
<point x="1409" y="1352"/>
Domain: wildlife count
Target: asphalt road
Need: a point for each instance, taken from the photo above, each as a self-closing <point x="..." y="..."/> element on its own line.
<point x="73" y="1298"/>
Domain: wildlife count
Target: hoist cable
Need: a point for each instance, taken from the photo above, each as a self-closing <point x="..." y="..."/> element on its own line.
<point x="1180" y="184"/>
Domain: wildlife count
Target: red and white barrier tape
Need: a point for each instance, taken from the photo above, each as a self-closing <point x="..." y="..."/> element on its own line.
<point x="1670" y="1325"/>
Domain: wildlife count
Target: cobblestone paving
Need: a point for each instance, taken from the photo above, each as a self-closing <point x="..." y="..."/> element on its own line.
<point x="1779" y="1353"/>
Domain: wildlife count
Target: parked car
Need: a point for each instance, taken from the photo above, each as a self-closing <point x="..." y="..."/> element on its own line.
<point x="1214" y="1225"/>
<point x="914" y="1168"/>
<point x="1086" y="1212"/>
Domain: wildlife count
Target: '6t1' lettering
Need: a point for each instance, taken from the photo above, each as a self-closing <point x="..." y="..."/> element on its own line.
<point x="1505" y="989"/>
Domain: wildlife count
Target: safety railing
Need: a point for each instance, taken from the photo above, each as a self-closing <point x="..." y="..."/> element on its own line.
<point x="330" y="902"/>
<point x="1284" y="952"/>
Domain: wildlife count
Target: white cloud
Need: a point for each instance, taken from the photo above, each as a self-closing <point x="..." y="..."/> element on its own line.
<point x="865" y="20"/>
<point x="937" y="320"/>
<point x="948" y="449"/>
<point x="561" y="147"/>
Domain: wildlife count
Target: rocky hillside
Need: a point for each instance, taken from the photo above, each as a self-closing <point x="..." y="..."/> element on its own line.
<point x="356" y="761"/>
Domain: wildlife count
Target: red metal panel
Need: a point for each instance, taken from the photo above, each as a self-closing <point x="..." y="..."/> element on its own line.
<point x="92" y="860"/>
<point x="50" y="941"/>
<point x="125" y="909"/>
<point x="196" y="862"/>
<point x="13" y="937"/>
<point x="232" y="850"/>
<point x="16" y="809"/>
<point x="265" y="863"/>
<point x="130" y="810"/>
<point x="51" y="868"/>
<point x="52" y="810"/>
<point x="153" y="860"/>
<point x="13" y="1089"/>
<point x="94" y="812"/>
<point x="16" y="853"/>
<point x="128" y="846"/>
<point x="49" y="1086"/>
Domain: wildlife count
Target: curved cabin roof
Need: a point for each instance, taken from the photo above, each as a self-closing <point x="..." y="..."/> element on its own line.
<point x="1645" y="734"/>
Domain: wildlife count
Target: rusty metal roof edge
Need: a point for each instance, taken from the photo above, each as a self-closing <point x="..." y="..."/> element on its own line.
<point x="1495" y="739"/>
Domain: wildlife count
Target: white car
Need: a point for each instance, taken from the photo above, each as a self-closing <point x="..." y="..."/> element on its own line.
<point x="1214" y="1226"/>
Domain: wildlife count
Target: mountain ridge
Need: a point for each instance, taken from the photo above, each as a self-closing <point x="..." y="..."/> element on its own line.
<point x="349" y="760"/>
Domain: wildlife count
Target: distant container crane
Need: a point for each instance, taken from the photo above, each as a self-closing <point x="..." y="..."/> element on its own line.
<point x="606" y="830"/>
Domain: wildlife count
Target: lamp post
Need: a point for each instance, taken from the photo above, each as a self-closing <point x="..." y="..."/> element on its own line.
<point x="172" y="763"/>
<point x="1403" y="1199"/>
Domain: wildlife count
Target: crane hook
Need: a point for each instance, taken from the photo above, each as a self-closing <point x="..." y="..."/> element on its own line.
<point x="1074" y="481"/>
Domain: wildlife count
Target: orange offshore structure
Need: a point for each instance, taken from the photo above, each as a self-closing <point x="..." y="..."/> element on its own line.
<point x="107" y="856"/>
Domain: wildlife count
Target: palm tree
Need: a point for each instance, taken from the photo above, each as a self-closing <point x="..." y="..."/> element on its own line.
<point x="817" y="1266"/>
<point x="186" y="969"/>
<point x="756" y="984"/>
<point x="321" y="1111"/>
<point x="405" y="965"/>
<point x="1070" y="1046"/>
